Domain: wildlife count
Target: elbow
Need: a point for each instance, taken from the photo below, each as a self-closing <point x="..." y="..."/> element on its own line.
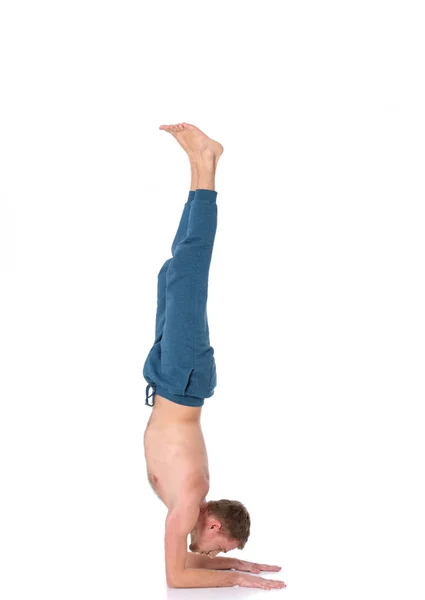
<point x="173" y="581"/>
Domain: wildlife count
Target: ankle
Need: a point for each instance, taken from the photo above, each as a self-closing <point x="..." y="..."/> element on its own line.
<point x="203" y="160"/>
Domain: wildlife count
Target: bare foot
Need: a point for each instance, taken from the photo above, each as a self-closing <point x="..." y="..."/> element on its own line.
<point x="195" y="142"/>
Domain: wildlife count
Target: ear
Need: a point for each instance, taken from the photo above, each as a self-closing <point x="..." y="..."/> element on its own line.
<point x="213" y="523"/>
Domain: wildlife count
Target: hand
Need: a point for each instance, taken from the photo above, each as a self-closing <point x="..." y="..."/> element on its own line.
<point x="252" y="581"/>
<point x="251" y="567"/>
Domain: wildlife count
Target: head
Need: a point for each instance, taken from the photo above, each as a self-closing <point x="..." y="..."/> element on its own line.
<point x="222" y="525"/>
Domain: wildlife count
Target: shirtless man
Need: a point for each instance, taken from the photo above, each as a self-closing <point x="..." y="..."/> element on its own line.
<point x="180" y="369"/>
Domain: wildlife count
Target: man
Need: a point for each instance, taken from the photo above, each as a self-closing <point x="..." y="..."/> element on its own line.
<point x="180" y="368"/>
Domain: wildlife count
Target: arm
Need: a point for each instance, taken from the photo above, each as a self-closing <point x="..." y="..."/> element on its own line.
<point x="180" y="522"/>
<point x="226" y="562"/>
<point x="197" y="561"/>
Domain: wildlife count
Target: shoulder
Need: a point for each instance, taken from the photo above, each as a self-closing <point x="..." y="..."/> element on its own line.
<point x="184" y="512"/>
<point x="182" y="517"/>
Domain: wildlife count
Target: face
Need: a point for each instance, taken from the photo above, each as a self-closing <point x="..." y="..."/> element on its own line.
<point x="211" y="542"/>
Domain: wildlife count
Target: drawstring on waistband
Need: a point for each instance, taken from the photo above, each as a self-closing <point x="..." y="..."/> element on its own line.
<point x="153" y="386"/>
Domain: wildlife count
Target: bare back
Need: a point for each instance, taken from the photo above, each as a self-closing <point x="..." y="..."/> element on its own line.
<point x="175" y="452"/>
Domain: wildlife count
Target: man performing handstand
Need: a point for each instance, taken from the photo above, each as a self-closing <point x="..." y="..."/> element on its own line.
<point x="180" y="368"/>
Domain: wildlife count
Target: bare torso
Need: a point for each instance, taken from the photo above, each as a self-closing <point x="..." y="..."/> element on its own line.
<point x="175" y="452"/>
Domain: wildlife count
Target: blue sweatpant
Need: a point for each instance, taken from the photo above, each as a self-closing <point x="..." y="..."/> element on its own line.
<point x="180" y="365"/>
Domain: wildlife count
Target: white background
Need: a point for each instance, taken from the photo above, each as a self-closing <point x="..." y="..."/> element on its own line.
<point x="316" y="296"/>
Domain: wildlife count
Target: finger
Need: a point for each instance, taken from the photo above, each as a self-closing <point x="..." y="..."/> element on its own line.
<point x="274" y="583"/>
<point x="249" y="567"/>
<point x="270" y="584"/>
<point x="277" y="584"/>
<point x="264" y="584"/>
<point x="268" y="567"/>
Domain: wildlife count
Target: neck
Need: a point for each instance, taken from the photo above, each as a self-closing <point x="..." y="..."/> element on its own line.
<point x="203" y="507"/>
<point x="201" y="518"/>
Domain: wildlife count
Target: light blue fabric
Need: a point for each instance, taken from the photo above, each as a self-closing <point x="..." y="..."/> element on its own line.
<point x="180" y="365"/>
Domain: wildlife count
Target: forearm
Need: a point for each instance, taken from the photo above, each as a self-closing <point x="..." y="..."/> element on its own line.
<point x="204" y="578"/>
<point x="197" y="561"/>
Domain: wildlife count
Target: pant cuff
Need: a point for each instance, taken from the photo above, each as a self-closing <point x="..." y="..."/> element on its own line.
<point x="208" y="195"/>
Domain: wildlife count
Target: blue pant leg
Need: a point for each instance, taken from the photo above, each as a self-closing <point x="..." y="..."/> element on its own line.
<point x="184" y="221"/>
<point x="152" y="364"/>
<point x="187" y="358"/>
<point x="161" y="283"/>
